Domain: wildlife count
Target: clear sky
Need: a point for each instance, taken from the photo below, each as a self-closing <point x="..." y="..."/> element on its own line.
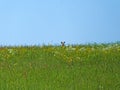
<point x="29" y="22"/>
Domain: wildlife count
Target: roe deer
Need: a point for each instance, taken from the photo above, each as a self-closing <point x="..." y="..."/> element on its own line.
<point x="63" y="44"/>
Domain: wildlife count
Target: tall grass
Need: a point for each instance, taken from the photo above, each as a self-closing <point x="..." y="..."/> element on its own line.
<point x="73" y="67"/>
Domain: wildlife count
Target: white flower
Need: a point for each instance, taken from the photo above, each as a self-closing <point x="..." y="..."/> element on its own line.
<point x="10" y="50"/>
<point x="70" y="48"/>
<point x="82" y="49"/>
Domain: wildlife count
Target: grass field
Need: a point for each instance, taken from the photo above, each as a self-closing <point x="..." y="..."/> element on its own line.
<point x="73" y="67"/>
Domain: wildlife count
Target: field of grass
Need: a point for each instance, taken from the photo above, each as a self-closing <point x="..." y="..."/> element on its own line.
<point x="73" y="67"/>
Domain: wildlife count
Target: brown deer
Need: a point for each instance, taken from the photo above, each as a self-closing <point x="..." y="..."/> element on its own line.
<point x="63" y="44"/>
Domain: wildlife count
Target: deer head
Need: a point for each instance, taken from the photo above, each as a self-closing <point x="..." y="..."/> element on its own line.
<point x="63" y="43"/>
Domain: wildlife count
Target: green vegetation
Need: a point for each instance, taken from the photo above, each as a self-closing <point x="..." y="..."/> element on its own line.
<point x="73" y="67"/>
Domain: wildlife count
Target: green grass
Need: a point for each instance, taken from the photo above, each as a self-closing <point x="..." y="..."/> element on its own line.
<point x="77" y="67"/>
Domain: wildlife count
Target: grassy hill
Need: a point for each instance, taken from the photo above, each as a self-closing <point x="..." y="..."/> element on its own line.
<point x="73" y="67"/>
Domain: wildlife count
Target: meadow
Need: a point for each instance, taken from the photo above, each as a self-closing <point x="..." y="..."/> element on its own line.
<point x="72" y="67"/>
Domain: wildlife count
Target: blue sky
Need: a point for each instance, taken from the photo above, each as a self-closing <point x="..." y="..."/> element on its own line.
<point x="29" y="22"/>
